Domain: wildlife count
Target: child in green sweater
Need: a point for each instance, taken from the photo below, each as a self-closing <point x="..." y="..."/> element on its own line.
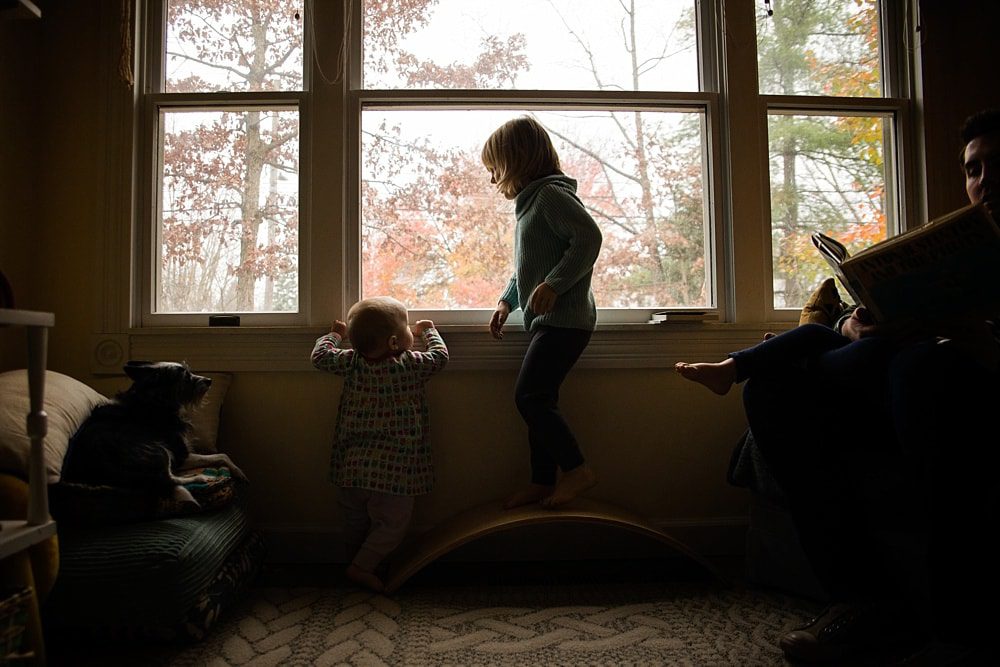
<point x="556" y="243"/>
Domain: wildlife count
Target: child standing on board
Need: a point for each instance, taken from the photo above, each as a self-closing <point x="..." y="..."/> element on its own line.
<point x="556" y="243"/>
<point x="381" y="453"/>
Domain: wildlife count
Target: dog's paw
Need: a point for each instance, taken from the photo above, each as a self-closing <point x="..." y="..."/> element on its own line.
<point x="235" y="471"/>
<point x="184" y="498"/>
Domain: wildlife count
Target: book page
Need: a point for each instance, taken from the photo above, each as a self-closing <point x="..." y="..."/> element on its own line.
<point x="948" y="267"/>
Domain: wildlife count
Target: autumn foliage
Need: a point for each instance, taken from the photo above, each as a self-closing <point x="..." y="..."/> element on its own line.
<point x="433" y="231"/>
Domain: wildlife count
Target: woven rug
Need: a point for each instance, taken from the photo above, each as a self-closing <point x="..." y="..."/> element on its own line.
<point x="662" y="623"/>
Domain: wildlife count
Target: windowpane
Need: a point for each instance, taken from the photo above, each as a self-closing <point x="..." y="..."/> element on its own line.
<point x="438" y="236"/>
<point x="819" y="47"/>
<point x="234" y="46"/>
<point x="228" y="225"/>
<point x="528" y="45"/>
<point x="827" y="175"/>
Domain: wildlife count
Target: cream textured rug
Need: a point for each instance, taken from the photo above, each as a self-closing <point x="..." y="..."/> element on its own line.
<point x="662" y="623"/>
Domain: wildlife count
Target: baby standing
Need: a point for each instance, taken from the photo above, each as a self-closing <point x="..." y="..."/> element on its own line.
<point x="556" y="243"/>
<point x="381" y="453"/>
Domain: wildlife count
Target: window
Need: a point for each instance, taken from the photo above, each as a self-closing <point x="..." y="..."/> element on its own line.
<point x="617" y="85"/>
<point x="226" y="90"/>
<point x="833" y="116"/>
<point x="296" y="156"/>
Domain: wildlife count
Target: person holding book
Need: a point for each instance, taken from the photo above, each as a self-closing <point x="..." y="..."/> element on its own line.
<point x="916" y="460"/>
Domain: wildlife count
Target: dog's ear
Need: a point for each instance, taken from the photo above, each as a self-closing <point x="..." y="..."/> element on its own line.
<point x="137" y="369"/>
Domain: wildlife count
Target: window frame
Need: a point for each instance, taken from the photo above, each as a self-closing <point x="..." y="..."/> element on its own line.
<point x="152" y="105"/>
<point x="706" y="102"/>
<point x="900" y="150"/>
<point x="736" y="135"/>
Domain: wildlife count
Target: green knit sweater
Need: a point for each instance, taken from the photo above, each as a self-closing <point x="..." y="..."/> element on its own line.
<point x="556" y="242"/>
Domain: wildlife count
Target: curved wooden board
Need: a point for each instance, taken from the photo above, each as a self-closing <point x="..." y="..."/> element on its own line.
<point x="491" y="518"/>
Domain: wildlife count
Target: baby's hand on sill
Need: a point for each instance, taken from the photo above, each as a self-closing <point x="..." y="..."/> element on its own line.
<point x="339" y="328"/>
<point x="421" y="326"/>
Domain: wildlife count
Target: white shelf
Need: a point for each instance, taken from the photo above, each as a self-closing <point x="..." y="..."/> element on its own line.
<point x="18" y="535"/>
<point x="26" y="318"/>
<point x="20" y="9"/>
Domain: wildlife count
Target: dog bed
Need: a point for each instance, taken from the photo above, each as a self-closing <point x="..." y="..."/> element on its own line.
<point x="163" y="579"/>
<point x="128" y="567"/>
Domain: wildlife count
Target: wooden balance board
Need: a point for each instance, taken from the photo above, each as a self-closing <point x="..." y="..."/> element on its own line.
<point x="491" y="518"/>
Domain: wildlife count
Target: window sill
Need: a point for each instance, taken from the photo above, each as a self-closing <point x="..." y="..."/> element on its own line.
<point x="261" y="349"/>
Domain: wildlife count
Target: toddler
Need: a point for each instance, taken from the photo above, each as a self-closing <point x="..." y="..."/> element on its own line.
<point x="381" y="453"/>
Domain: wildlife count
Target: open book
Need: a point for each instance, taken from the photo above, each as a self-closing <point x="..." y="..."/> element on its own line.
<point x="949" y="267"/>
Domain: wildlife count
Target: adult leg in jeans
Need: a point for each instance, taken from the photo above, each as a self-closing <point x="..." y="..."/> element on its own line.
<point x="944" y="406"/>
<point x="815" y="464"/>
<point x="795" y="347"/>
<point x="821" y="469"/>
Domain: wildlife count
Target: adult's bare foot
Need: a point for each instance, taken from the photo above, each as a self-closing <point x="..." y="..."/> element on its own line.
<point x="719" y="377"/>
<point x="571" y="485"/>
<point x="533" y="494"/>
<point x="364" y="578"/>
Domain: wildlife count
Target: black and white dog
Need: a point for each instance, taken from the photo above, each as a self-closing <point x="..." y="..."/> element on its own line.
<point x="139" y="440"/>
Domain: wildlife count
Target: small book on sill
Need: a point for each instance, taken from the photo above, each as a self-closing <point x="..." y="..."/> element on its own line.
<point x="949" y="267"/>
<point x="680" y="316"/>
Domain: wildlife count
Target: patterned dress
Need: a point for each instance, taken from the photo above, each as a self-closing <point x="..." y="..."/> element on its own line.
<point x="381" y="443"/>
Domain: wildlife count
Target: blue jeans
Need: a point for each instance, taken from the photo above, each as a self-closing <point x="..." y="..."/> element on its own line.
<point x="871" y="438"/>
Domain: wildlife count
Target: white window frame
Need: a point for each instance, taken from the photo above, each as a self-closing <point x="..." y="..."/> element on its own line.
<point x="329" y="261"/>
<point x="705" y="103"/>
<point x="152" y="104"/>
<point x="898" y="152"/>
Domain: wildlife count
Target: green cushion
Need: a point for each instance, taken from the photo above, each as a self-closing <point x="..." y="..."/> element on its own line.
<point x="147" y="574"/>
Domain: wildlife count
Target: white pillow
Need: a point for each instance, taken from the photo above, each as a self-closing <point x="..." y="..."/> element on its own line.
<point x="68" y="402"/>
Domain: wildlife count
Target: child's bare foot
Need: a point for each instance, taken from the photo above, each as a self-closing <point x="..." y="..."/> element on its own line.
<point x="533" y="494"/>
<point x="719" y="377"/>
<point x="570" y="485"/>
<point x="364" y="578"/>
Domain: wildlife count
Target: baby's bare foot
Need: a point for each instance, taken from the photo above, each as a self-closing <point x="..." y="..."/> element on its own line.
<point x="364" y="578"/>
<point x="719" y="377"/>
<point x="571" y="485"/>
<point x="532" y="494"/>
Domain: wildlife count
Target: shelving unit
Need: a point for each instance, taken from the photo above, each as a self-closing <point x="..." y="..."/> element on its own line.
<point x="17" y="536"/>
<point x="19" y="9"/>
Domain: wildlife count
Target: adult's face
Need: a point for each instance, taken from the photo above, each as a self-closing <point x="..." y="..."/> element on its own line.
<point x="982" y="171"/>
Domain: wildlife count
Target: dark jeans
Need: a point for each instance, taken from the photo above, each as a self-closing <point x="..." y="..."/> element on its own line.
<point x="943" y="408"/>
<point x="921" y="416"/>
<point x="851" y="366"/>
<point x="551" y="354"/>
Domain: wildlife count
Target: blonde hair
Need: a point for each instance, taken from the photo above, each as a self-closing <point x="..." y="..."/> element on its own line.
<point x="370" y="322"/>
<point x="519" y="152"/>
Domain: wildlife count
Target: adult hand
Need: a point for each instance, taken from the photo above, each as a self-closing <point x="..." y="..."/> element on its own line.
<point x="339" y="328"/>
<point x="499" y="317"/>
<point x="974" y="336"/>
<point x="859" y="325"/>
<point x="421" y="326"/>
<point x="542" y="299"/>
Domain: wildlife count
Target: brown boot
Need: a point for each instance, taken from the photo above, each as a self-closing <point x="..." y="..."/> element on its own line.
<point x="850" y="630"/>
